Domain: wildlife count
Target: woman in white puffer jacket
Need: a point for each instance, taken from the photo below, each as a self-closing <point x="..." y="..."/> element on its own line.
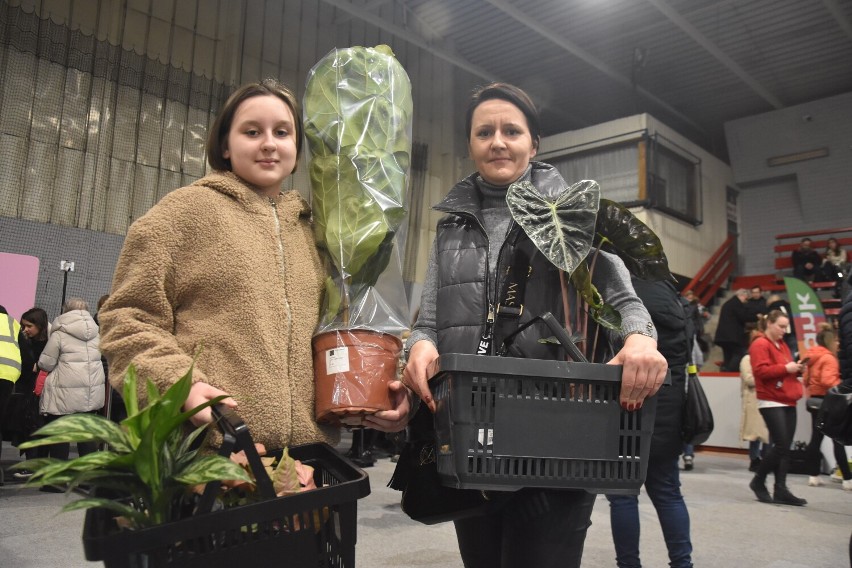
<point x="75" y="380"/>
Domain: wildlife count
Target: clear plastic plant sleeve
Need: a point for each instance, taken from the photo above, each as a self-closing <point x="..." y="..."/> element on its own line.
<point x="358" y="114"/>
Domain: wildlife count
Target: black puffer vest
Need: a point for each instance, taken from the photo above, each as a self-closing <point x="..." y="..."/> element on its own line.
<point x="465" y="293"/>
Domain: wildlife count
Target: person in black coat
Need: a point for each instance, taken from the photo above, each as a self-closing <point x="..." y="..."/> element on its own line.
<point x="806" y="261"/>
<point x="756" y="303"/>
<point x="662" y="480"/>
<point x="844" y="353"/>
<point x="730" y="330"/>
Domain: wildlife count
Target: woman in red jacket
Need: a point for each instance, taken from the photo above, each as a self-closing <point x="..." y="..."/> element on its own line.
<point x="778" y="388"/>
<point x="822" y="373"/>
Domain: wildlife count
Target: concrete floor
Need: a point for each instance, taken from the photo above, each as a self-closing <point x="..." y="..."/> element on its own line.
<point x="729" y="527"/>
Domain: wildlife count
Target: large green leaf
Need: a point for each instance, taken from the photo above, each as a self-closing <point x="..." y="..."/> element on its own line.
<point x="212" y="468"/>
<point x="561" y="227"/>
<point x="79" y="428"/>
<point x="619" y="231"/>
<point x="129" y="394"/>
<point x="358" y="97"/>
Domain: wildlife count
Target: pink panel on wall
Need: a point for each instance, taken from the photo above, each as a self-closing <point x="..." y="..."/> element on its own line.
<point x="18" y="281"/>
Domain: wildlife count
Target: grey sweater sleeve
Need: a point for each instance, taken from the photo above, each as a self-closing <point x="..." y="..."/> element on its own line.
<point x="425" y="326"/>
<point x="612" y="279"/>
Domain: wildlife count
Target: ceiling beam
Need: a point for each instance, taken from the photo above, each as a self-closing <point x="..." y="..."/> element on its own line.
<point x="582" y="54"/>
<point x="407" y="35"/>
<point x="716" y="52"/>
<point x="834" y="8"/>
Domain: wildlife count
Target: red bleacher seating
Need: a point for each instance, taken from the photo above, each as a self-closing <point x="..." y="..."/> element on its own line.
<point x="784" y="251"/>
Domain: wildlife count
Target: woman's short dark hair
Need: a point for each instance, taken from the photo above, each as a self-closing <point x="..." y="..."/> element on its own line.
<point x="508" y="93"/>
<point x="217" y="138"/>
<point x="37" y="317"/>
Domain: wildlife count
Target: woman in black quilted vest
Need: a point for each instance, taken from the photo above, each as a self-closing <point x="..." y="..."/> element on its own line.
<point x="475" y="245"/>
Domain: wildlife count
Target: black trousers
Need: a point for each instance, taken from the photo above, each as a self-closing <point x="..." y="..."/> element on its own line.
<point x="62" y="451"/>
<point x="814" y="453"/>
<point x="781" y="423"/>
<point x="732" y="352"/>
<point x="536" y="527"/>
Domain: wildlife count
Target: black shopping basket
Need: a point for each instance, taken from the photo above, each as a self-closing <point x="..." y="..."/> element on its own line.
<point x="505" y="423"/>
<point x="315" y="528"/>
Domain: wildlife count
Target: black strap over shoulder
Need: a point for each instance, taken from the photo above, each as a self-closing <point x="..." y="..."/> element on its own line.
<point x="510" y="298"/>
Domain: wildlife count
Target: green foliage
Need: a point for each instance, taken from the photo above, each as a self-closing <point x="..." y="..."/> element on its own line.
<point x="358" y="115"/>
<point x="566" y="227"/>
<point x="150" y="460"/>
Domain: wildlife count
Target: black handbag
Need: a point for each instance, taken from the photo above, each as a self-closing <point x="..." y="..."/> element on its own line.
<point x="835" y="415"/>
<point x="697" y="417"/>
<point x="425" y="499"/>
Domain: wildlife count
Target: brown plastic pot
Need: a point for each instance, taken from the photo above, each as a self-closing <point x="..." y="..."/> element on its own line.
<point x="352" y="369"/>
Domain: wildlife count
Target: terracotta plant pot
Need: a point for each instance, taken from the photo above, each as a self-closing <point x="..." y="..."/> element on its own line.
<point x="352" y="369"/>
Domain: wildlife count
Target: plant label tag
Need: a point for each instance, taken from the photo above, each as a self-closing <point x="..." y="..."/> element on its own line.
<point x="486" y="438"/>
<point x="337" y="360"/>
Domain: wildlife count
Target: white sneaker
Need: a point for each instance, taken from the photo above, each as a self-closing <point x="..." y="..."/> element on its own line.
<point x="814" y="481"/>
<point x="836" y="476"/>
<point x="847" y="484"/>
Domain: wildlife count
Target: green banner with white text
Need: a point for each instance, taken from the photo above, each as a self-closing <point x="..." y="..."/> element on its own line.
<point x="807" y="310"/>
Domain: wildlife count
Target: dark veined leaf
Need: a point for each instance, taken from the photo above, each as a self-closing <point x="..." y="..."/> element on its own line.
<point x="212" y="468"/>
<point x="80" y="428"/>
<point x="621" y="232"/>
<point x="561" y="227"/>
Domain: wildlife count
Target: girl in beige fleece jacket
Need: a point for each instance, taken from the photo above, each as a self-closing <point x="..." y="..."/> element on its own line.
<point x="228" y="267"/>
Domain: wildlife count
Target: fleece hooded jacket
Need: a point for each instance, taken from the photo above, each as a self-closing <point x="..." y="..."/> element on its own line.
<point x="215" y="269"/>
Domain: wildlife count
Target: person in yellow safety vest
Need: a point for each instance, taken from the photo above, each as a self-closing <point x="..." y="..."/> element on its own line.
<point x="10" y="351"/>
<point x="10" y="360"/>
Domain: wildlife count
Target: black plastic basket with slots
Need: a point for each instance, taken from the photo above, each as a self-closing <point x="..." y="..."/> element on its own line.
<point x="505" y="423"/>
<point x="315" y="528"/>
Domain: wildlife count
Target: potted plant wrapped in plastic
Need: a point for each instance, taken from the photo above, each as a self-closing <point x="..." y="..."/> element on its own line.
<point x="358" y="116"/>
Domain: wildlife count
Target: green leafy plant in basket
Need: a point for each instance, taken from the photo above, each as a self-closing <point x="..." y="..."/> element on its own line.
<point x="358" y="117"/>
<point x="150" y="463"/>
<point x="571" y="222"/>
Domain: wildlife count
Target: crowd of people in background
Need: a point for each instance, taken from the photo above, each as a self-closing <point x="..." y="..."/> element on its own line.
<point x="59" y="371"/>
<point x="830" y="266"/>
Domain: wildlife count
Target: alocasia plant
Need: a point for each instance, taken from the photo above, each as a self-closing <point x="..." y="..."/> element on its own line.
<point x="358" y="115"/>
<point x="566" y="226"/>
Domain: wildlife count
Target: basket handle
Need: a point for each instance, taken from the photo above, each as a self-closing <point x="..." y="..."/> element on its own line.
<point x="235" y="437"/>
<point x="560" y="333"/>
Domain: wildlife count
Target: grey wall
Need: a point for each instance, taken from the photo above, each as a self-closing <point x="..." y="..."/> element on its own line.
<point x="94" y="254"/>
<point x="806" y="195"/>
